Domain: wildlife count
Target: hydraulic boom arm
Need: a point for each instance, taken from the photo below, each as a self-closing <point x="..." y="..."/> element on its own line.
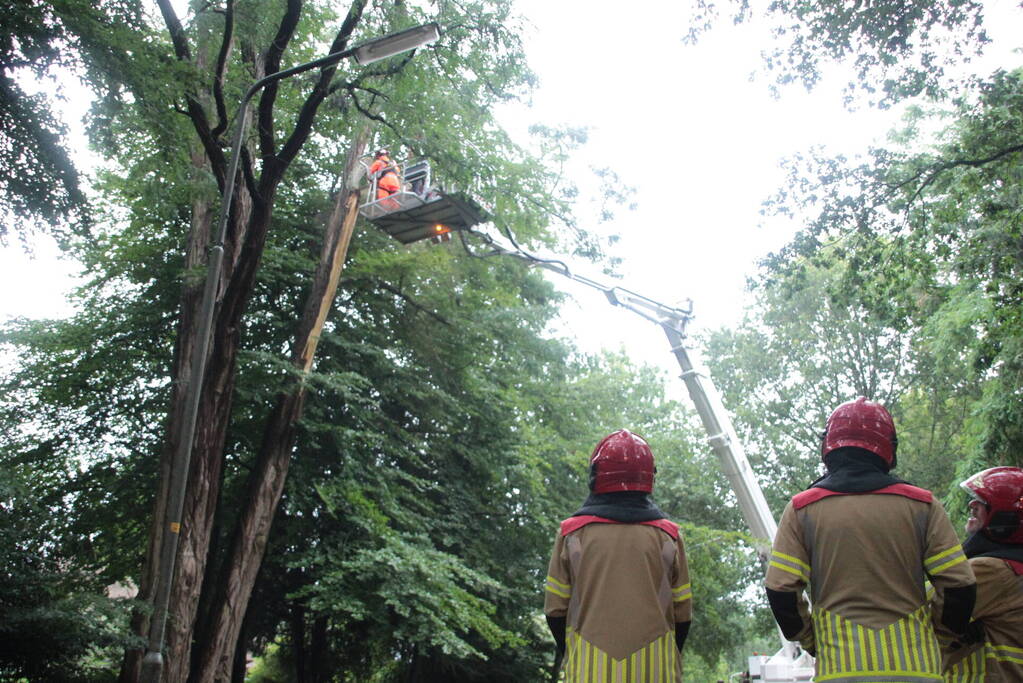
<point x="720" y="433"/>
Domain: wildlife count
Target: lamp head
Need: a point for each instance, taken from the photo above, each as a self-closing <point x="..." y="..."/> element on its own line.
<point x="396" y="43"/>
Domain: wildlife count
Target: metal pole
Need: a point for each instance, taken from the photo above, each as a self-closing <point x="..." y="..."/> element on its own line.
<point x="152" y="662"/>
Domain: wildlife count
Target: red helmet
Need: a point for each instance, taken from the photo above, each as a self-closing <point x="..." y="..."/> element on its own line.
<point x="864" y="424"/>
<point x="622" y="461"/>
<point x="1001" y="490"/>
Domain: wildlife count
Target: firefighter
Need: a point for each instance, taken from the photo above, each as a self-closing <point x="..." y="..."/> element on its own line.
<point x="993" y="648"/>
<point x="385" y="172"/>
<point x="864" y="542"/>
<point x="617" y="596"/>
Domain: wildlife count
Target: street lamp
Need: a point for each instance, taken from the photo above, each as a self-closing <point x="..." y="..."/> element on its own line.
<point x="366" y="53"/>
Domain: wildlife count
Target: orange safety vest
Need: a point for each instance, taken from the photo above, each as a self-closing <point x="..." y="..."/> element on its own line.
<point x="387" y="183"/>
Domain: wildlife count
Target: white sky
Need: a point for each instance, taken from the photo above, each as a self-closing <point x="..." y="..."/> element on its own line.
<point x="699" y="140"/>
<point x="685" y="125"/>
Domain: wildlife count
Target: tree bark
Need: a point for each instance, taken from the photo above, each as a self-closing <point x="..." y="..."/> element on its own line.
<point x="266" y="482"/>
<point x="199" y="238"/>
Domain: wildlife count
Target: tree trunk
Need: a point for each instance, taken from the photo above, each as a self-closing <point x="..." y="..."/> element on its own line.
<point x="298" y="648"/>
<point x="318" y="652"/>
<point x="266" y="482"/>
<point x="199" y="240"/>
<point x="247" y="226"/>
<point x="206" y="465"/>
<point x="241" y="652"/>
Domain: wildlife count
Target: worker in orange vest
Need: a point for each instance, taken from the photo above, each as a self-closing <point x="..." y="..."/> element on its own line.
<point x="993" y="648"/>
<point x="385" y="172"/>
<point x="863" y="542"/>
<point x="617" y="597"/>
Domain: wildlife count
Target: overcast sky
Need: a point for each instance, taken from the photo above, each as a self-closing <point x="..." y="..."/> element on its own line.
<point x="700" y="141"/>
<point x="685" y="125"/>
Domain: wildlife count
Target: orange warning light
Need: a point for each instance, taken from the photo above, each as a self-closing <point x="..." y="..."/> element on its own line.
<point x="440" y="229"/>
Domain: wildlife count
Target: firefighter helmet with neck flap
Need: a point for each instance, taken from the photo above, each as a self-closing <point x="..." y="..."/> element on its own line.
<point x="622" y="461"/>
<point x="1000" y="489"/>
<point x="862" y="424"/>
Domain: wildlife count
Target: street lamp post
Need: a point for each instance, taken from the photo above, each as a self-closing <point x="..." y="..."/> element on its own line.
<point x="366" y="53"/>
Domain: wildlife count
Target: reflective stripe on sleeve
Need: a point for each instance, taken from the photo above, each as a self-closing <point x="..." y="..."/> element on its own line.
<point x="935" y="564"/>
<point x="562" y="590"/>
<point x="682" y="593"/>
<point x="790" y="564"/>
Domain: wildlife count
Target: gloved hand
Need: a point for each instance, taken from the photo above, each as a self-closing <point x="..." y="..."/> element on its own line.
<point x="974" y="633"/>
<point x="558" y="625"/>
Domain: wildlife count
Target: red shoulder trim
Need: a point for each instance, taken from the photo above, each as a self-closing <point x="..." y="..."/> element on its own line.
<point x="667" y="526"/>
<point x="1016" y="566"/>
<point x="801" y="500"/>
<point x="575" y="523"/>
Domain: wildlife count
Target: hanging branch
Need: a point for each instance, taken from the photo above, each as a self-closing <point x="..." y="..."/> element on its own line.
<point x="304" y="122"/>
<point x="948" y="165"/>
<point x="221" y="68"/>
<point x="272" y="64"/>
<point x="931" y="172"/>
<point x="370" y="115"/>
<point x="195" y="110"/>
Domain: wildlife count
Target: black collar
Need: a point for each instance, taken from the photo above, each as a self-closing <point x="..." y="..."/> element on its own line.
<point x="979" y="545"/>
<point x="854" y="470"/>
<point x="622" y="506"/>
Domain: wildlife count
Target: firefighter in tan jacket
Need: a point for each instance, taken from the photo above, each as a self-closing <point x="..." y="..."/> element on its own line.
<point x="617" y="595"/>
<point x="864" y="542"/>
<point x="993" y="648"/>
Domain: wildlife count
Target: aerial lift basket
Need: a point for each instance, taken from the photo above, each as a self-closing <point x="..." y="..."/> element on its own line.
<point x="420" y="211"/>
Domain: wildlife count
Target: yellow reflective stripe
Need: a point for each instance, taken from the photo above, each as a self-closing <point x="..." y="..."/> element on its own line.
<point x="847" y="640"/>
<point x="943" y="553"/>
<point x="594" y="663"/>
<point x="883" y="641"/>
<point x="657" y="662"/>
<point x="790" y="570"/>
<point x="864" y="653"/>
<point x="911" y="645"/>
<point x="682" y="593"/>
<point x="571" y="649"/>
<point x="906" y="650"/>
<point x="566" y="586"/>
<point x="552" y="589"/>
<point x="951" y="562"/>
<point x="1008" y="653"/>
<point x="790" y="558"/>
<point x="562" y="590"/>
<point x="834" y="652"/>
<point x="865" y="676"/>
<point x="934" y="564"/>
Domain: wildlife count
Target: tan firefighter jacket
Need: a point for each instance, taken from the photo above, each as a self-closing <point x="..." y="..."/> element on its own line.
<point x="622" y="588"/>
<point x="999" y="659"/>
<point x="865" y="558"/>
